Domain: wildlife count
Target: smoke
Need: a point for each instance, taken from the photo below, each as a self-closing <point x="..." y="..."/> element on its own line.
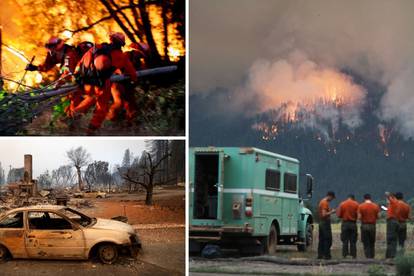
<point x="371" y="38"/>
<point x="300" y="91"/>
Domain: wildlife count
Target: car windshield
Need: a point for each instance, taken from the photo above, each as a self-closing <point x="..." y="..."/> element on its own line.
<point x="80" y="218"/>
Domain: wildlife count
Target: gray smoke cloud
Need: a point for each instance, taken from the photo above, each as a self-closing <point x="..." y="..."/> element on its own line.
<point x="372" y="38"/>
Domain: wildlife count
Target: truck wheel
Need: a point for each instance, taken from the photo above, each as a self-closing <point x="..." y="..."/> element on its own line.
<point x="4" y="253"/>
<point x="271" y="240"/>
<point x="308" y="238"/>
<point x="108" y="253"/>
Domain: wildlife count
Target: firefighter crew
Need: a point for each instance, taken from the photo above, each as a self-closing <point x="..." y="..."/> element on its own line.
<point x="403" y="214"/>
<point x="392" y="225"/>
<point x="348" y="212"/>
<point x="93" y="72"/>
<point x="325" y="230"/>
<point x="368" y="213"/>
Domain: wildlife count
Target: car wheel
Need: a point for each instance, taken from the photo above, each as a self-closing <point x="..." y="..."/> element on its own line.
<point x="308" y="239"/>
<point x="4" y="253"/>
<point x="108" y="253"/>
<point x="271" y="240"/>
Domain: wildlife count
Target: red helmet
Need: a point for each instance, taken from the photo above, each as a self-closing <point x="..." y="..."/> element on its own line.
<point x="141" y="47"/>
<point x="53" y="42"/>
<point x="117" y="38"/>
<point x="102" y="63"/>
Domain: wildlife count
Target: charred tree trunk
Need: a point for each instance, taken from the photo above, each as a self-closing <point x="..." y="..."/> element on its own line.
<point x="130" y="187"/>
<point x="1" y="44"/>
<point x="118" y="20"/>
<point x="155" y="56"/>
<point x="150" y="188"/>
<point x="78" y="170"/>
<point x="165" y="25"/>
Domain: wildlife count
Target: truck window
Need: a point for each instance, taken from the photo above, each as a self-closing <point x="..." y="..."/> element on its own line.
<point x="290" y="183"/>
<point x="272" y="180"/>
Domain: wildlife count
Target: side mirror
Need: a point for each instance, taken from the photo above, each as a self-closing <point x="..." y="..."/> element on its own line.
<point x="309" y="185"/>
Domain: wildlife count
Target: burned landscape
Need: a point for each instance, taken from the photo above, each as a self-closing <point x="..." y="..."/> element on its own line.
<point x="158" y="220"/>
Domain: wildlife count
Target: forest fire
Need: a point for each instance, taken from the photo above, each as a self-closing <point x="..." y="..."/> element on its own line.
<point x="25" y="34"/>
<point x="49" y="51"/>
<point x="384" y="134"/>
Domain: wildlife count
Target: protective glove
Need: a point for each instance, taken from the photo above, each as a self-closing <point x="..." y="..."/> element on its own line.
<point x="31" y="67"/>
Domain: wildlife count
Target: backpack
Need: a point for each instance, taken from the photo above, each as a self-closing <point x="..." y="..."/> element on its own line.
<point x="89" y="74"/>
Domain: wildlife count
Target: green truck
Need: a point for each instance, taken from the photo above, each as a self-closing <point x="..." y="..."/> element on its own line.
<point x="247" y="198"/>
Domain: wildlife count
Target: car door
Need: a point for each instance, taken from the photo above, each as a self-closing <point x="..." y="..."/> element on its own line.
<point x="12" y="234"/>
<point x="52" y="236"/>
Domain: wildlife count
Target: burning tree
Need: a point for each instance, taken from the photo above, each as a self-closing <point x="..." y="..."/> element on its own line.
<point x="155" y="27"/>
<point x="158" y="23"/>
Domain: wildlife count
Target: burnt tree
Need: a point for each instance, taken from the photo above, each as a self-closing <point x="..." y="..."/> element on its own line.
<point x="147" y="170"/>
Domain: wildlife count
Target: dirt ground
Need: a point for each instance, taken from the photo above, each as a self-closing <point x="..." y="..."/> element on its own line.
<point x="288" y="261"/>
<point x="160" y="227"/>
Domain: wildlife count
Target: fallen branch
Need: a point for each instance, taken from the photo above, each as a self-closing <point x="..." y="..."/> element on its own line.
<point x="306" y="262"/>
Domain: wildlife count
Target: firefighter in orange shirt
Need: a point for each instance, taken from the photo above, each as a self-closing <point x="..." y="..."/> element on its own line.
<point x="403" y="214"/>
<point x="325" y="229"/>
<point x="368" y="213"/>
<point x="392" y="225"/>
<point x="348" y="212"/>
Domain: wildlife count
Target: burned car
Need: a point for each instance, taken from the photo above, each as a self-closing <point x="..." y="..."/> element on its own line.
<point x="90" y="194"/>
<point x="59" y="232"/>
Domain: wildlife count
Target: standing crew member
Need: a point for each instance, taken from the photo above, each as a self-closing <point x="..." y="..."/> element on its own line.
<point x="403" y="214"/>
<point x="348" y="212"/>
<point x="392" y="225"/>
<point x="325" y="230"/>
<point x="368" y="213"/>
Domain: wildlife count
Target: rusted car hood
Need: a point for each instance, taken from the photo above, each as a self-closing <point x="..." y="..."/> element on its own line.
<point x="108" y="224"/>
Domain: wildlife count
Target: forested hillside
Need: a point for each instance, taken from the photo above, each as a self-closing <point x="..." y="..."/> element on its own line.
<point x="359" y="162"/>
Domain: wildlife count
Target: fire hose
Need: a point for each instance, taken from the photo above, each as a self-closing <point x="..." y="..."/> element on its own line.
<point x="65" y="90"/>
<point x="37" y="100"/>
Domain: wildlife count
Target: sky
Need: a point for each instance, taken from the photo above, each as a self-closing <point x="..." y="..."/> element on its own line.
<point x="50" y="153"/>
<point x="249" y="48"/>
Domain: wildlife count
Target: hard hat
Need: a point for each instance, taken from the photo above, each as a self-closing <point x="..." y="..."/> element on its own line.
<point x="53" y="42"/>
<point x="102" y="63"/>
<point x="117" y="38"/>
<point x="141" y="47"/>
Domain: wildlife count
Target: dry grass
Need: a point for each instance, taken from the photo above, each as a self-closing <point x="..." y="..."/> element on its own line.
<point x="380" y="246"/>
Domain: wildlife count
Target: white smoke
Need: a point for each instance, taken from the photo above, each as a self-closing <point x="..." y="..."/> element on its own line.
<point x="298" y="89"/>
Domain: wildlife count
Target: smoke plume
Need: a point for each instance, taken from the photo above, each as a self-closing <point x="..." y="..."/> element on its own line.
<point x="371" y="38"/>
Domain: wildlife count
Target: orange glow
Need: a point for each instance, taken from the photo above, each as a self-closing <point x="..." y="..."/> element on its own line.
<point x="28" y="30"/>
